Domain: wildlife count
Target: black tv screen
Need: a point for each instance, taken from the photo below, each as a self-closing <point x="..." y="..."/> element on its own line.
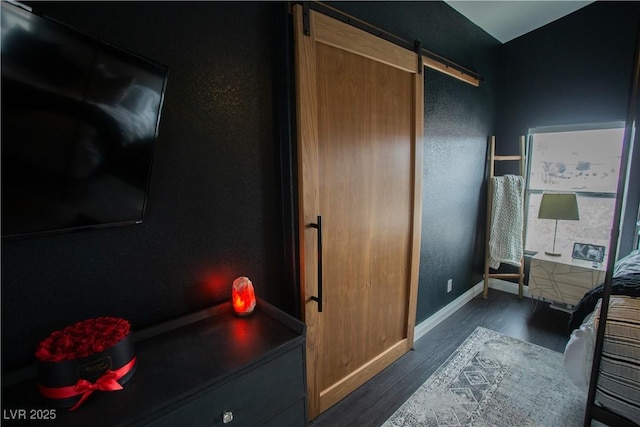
<point x="79" y="121"/>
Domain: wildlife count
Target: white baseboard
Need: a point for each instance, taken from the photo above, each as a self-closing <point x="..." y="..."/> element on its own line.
<point x="446" y="311"/>
<point x="439" y="316"/>
<point x="509" y="287"/>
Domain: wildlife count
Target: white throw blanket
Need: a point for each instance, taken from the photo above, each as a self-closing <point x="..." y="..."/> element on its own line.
<point x="507" y="218"/>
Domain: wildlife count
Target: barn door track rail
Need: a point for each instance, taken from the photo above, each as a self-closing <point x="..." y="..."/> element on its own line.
<point x="425" y="57"/>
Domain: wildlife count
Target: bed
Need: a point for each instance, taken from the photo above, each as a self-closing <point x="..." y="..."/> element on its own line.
<point x="618" y="386"/>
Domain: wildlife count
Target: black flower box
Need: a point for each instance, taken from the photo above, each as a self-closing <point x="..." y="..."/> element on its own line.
<point x="66" y="380"/>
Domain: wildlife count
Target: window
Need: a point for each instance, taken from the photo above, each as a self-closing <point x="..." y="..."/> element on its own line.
<point x="583" y="161"/>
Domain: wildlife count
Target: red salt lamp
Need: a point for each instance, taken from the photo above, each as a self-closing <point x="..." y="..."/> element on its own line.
<point x="243" y="297"/>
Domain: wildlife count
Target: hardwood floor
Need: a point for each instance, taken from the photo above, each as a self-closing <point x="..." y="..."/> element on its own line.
<point x="376" y="400"/>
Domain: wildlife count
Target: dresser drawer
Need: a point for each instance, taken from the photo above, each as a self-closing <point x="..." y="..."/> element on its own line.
<point x="253" y="398"/>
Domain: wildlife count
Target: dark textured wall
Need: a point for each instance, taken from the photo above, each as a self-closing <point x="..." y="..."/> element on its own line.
<point x="215" y="208"/>
<point x="575" y="70"/>
<point x="458" y="118"/>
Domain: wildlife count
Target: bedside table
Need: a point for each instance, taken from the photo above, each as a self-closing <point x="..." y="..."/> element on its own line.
<point x="563" y="279"/>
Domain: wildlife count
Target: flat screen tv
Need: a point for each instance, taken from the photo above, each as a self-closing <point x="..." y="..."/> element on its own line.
<point x="80" y="118"/>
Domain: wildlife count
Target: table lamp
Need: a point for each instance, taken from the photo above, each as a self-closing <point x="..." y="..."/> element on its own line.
<point x="558" y="206"/>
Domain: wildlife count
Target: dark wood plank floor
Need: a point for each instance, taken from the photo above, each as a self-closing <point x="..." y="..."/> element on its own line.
<point x="375" y="401"/>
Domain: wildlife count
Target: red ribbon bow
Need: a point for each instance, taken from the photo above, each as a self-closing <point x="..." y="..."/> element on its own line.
<point x="107" y="382"/>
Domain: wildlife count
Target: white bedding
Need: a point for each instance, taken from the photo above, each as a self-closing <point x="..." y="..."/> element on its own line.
<point x="579" y="350"/>
<point x="578" y="354"/>
<point x="619" y="380"/>
<point x="619" y="376"/>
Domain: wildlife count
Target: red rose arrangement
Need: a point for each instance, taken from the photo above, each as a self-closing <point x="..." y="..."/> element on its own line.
<point x="88" y="356"/>
<point x="82" y="339"/>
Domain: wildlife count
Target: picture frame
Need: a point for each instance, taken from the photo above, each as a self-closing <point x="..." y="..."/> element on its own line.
<point x="588" y="252"/>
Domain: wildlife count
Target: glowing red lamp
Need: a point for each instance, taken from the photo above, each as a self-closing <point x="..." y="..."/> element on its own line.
<point x="243" y="297"/>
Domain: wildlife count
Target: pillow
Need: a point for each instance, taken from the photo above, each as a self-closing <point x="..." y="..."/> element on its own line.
<point x="619" y="380"/>
<point x="628" y="265"/>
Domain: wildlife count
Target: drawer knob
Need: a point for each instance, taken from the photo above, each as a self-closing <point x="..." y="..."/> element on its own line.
<point x="227" y="417"/>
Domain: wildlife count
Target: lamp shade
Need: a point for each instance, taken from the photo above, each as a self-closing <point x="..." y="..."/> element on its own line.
<point x="559" y="206"/>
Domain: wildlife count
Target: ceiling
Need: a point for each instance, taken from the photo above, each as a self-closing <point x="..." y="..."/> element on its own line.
<point x="505" y="20"/>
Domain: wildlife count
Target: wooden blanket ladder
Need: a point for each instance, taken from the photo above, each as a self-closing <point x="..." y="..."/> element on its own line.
<point x="492" y="159"/>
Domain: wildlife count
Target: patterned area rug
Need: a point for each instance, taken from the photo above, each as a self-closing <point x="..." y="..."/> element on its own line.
<point x="495" y="380"/>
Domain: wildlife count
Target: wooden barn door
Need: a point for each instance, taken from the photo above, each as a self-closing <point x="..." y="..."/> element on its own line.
<point x="359" y="113"/>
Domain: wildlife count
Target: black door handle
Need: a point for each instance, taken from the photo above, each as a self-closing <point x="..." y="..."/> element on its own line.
<point x="318" y="299"/>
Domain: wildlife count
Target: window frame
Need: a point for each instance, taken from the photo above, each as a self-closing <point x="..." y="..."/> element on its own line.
<point x="529" y="149"/>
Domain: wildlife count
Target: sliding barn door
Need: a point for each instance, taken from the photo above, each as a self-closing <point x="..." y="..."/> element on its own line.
<point x="359" y="111"/>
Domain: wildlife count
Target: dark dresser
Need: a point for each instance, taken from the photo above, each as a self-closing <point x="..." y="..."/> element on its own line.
<point x="208" y="369"/>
